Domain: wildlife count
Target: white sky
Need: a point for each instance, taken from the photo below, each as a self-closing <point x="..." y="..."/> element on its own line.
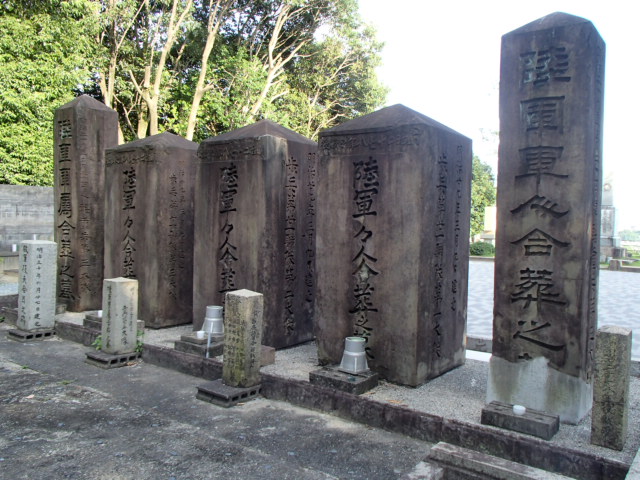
<point x="442" y="59"/>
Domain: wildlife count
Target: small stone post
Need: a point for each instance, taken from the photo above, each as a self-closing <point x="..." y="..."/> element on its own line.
<point x="611" y="387"/>
<point x="243" y="337"/>
<point x="119" y="315"/>
<point x="37" y="285"/>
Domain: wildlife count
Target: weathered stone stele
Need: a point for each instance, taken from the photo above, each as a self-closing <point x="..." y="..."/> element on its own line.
<point x="36" y="285"/>
<point x="149" y="187"/>
<point x="243" y="336"/>
<point x="609" y="417"/>
<point x="119" y="315"/>
<point x="392" y="243"/>
<point x="547" y="242"/>
<point x="83" y="128"/>
<point x="255" y="226"/>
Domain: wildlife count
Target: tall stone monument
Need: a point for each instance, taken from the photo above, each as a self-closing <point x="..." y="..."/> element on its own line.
<point x="255" y="226"/>
<point x="36" y="285"/>
<point x="547" y="243"/>
<point x="83" y="128"/>
<point x="392" y="243"/>
<point x="149" y="186"/>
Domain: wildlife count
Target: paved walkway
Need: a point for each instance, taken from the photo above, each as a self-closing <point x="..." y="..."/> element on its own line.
<point x="617" y="296"/>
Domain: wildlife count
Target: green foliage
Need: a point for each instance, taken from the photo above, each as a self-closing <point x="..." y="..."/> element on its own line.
<point x="45" y="47"/>
<point x="97" y="343"/>
<point x="306" y="64"/>
<point x="483" y="193"/>
<point x="482" y="249"/>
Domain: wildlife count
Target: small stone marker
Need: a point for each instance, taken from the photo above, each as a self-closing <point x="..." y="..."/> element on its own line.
<point x="242" y="351"/>
<point x="149" y="224"/>
<point x="84" y="128"/>
<point x="392" y="232"/>
<point x="548" y="225"/>
<point x="119" y="323"/>
<point x="255" y="226"/>
<point x="36" y="290"/>
<point x="243" y="337"/>
<point x="611" y="387"/>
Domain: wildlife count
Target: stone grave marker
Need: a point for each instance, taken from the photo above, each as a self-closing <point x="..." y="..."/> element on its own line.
<point x="36" y="290"/>
<point x="242" y="351"/>
<point x="149" y="224"/>
<point x="83" y="128"/>
<point x="392" y="233"/>
<point x="609" y="417"/>
<point x="547" y="243"/>
<point x="119" y="324"/>
<point x="243" y="338"/>
<point x="255" y="226"/>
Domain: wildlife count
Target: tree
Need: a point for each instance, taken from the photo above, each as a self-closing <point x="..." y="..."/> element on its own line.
<point x="194" y="67"/>
<point x="45" y="52"/>
<point x="483" y="193"/>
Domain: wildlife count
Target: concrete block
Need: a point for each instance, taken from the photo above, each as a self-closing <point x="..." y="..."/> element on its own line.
<point x="533" y="422"/>
<point x="474" y="464"/>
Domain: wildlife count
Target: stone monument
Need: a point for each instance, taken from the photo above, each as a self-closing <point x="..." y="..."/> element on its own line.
<point x="609" y="417"/>
<point x="36" y="290"/>
<point x="149" y="224"/>
<point x="609" y="241"/>
<point x="83" y="128"/>
<point x="255" y="226"/>
<point x="547" y="243"/>
<point x="119" y="324"/>
<point x="392" y="242"/>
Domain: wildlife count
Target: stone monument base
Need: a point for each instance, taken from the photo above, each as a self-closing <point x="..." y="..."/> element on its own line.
<point x="198" y="346"/>
<point x="347" y="382"/>
<point x="107" y="360"/>
<point x="30" y="335"/>
<point x="223" y="395"/>
<point x="94" y="322"/>
<point x="537" y="385"/>
<point x="532" y="422"/>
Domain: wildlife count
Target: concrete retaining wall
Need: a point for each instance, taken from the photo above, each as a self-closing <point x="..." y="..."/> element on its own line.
<point x="26" y="213"/>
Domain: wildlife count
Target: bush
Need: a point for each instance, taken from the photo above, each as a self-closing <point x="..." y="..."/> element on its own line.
<point x="482" y="249"/>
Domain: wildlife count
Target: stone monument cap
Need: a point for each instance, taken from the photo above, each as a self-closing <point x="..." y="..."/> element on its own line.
<point x="244" y="293"/>
<point x="260" y="129"/>
<point x="614" y="330"/>
<point x="556" y="19"/>
<point x="384" y="119"/>
<point x="87" y="102"/>
<point x="162" y="140"/>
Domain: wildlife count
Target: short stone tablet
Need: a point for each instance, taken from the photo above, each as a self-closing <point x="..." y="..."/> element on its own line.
<point x="36" y="285"/>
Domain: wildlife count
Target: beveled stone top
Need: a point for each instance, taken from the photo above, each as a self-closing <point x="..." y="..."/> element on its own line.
<point x="390" y="117"/>
<point x="260" y="129"/>
<point x="161" y="140"/>
<point x="86" y="101"/>
<point x="553" y="20"/>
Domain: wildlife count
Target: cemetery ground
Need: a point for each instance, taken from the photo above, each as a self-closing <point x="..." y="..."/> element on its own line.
<point x="62" y="418"/>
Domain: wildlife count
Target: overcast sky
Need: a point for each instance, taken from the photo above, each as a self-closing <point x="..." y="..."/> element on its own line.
<point x="442" y="59"/>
